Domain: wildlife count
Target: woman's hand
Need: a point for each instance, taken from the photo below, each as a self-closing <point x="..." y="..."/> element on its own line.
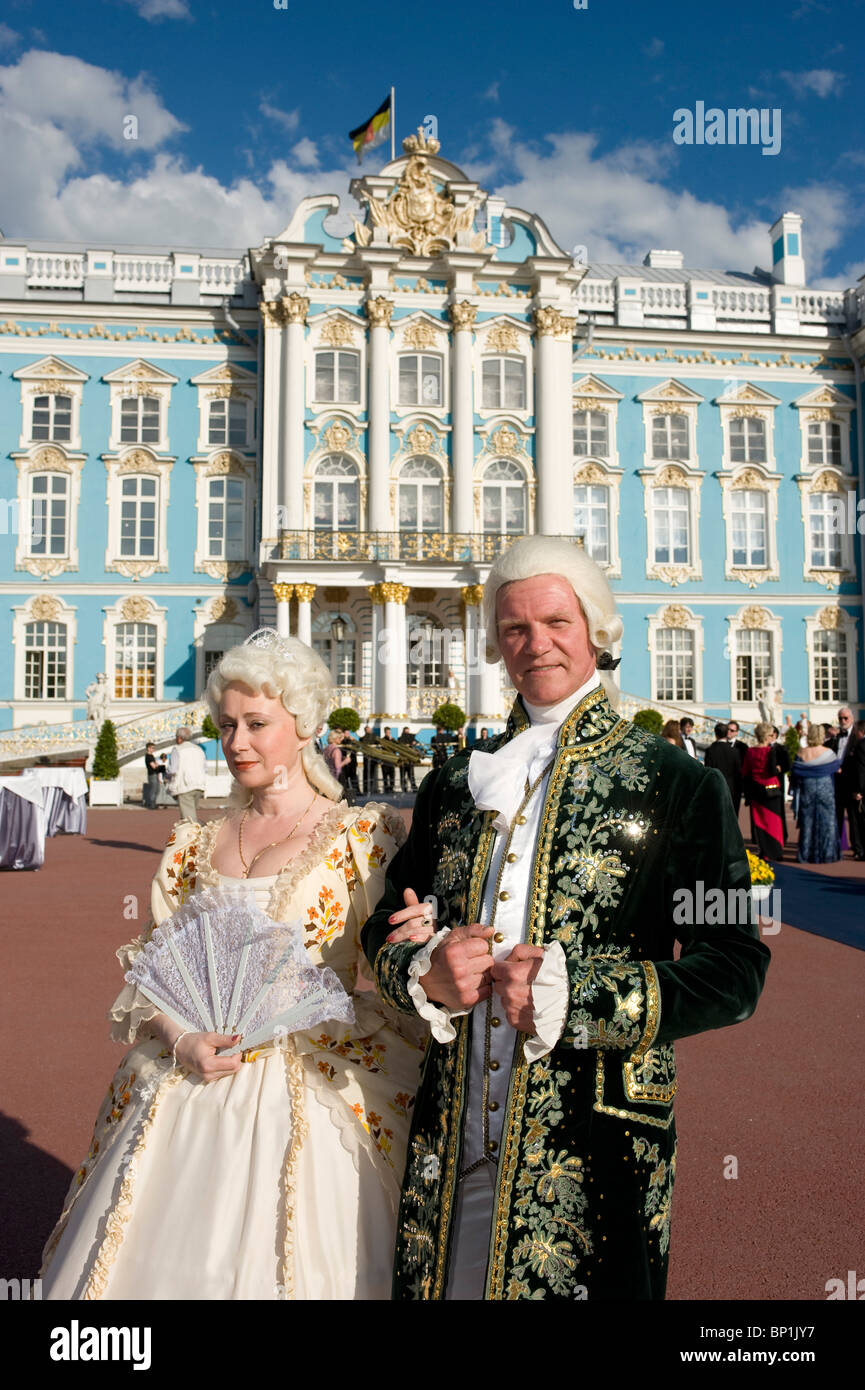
<point x="414" y="922"/>
<point x="198" y="1052"/>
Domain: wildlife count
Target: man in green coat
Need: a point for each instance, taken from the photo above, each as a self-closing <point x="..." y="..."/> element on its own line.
<point x="564" y="862"/>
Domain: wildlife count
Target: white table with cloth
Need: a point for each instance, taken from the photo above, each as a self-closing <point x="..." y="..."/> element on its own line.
<point x="65" y="799"/>
<point x="22" y="822"/>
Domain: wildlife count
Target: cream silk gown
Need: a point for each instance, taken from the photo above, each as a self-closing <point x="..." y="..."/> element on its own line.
<point x="282" y="1179"/>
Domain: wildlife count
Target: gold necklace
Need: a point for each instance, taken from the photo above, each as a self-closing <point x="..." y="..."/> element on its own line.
<point x="281" y="840"/>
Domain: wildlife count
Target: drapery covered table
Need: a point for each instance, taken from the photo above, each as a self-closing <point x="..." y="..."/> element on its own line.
<point x="22" y="822"/>
<point x="65" y="799"/>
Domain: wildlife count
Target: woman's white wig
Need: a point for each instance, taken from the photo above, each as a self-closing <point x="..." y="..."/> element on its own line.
<point x="534" y="555"/>
<point x="287" y="669"/>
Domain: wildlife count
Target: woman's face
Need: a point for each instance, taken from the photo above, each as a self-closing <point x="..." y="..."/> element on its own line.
<point x="259" y="737"/>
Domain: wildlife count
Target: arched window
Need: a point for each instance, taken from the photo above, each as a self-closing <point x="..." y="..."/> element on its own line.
<point x="45" y="661"/>
<point x="336" y="498"/>
<point x="504" y="499"/>
<point x="747" y="439"/>
<point x="427" y="658"/>
<point x="340" y="657"/>
<point x="670" y="436"/>
<point x="135" y="661"/>
<point x="421" y="496"/>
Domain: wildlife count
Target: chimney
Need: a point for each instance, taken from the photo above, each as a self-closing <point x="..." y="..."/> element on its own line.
<point x="788" y="262"/>
<point x="664" y="260"/>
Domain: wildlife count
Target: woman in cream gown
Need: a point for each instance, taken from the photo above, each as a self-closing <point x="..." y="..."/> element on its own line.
<point x="278" y="1175"/>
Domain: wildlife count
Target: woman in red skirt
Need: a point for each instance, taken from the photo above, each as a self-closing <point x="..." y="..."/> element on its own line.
<point x="763" y="791"/>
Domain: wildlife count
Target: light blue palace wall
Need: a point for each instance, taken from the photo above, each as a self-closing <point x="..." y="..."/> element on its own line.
<point x="183" y="430"/>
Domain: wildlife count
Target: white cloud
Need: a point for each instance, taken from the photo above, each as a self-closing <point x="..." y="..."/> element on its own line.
<point x="8" y="36"/>
<point x="87" y="104"/>
<point x="492" y="92"/>
<point x="619" y="207"/>
<point x="305" y="153"/>
<point x="288" y="120"/>
<point x="654" y="49"/>
<point x="822" y="81"/>
<point x="161" y="9"/>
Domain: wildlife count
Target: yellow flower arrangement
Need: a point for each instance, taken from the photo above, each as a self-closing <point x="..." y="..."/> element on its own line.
<point x="761" y="872"/>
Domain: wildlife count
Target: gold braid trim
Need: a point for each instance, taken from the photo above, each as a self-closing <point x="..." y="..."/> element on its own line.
<point x="299" y="1131"/>
<point x="117" y="1219"/>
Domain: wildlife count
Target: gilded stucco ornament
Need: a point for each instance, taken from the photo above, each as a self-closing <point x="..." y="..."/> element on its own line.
<point x="416" y="217"/>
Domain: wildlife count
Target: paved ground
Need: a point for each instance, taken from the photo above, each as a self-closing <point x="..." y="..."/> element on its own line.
<point x="779" y="1094"/>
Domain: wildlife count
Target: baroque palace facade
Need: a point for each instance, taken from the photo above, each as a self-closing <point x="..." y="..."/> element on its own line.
<point x="337" y="434"/>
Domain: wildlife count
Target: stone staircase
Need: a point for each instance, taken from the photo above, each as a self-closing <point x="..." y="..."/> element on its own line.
<point x="22" y="747"/>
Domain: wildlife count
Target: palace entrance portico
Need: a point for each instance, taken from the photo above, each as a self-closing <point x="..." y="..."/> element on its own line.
<point x="399" y="641"/>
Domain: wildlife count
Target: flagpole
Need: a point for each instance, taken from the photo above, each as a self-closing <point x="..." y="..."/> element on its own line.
<point x="392" y="124"/>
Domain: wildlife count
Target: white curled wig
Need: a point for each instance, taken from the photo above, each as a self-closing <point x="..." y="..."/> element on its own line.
<point x="534" y="555"/>
<point x="286" y="669"/>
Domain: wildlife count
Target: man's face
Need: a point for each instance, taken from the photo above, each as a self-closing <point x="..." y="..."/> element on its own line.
<point x="543" y="638"/>
<point x="732" y="732"/>
<point x="687" y="729"/>
<point x="845" y="720"/>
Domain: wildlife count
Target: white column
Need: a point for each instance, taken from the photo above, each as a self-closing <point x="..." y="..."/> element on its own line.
<point x="462" y="412"/>
<point x="394" y="652"/>
<point x="376" y="698"/>
<point x="553" y="447"/>
<point x="294" y="307"/>
<point x="472" y="595"/>
<point x="270" y="424"/>
<point x="379" y="311"/>
<point x="304" y="593"/>
<point x="283" y="593"/>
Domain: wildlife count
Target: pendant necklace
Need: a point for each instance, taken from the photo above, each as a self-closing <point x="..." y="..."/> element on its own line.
<point x="281" y="840"/>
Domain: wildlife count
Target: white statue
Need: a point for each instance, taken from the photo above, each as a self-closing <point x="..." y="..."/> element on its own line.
<point x="769" y="702"/>
<point x="97" y="698"/>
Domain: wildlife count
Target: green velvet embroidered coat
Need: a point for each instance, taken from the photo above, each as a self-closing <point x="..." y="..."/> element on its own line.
<point x="588" y="1150"/>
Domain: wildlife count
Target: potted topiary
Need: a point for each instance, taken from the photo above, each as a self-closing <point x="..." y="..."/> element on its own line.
<point x="649" y="719"/>
<point x="106" y="785"/>
<point x="215" y="783"/>
<point x="449" y="717"/>
<point x="344" y="719"/>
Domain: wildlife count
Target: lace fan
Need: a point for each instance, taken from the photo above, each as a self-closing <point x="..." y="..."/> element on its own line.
<point x="221" y="965"/>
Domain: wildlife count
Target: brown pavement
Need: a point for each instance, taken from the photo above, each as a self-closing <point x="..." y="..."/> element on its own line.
<point x="777" y="1094"/>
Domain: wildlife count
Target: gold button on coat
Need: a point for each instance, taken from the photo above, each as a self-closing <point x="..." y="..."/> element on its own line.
<point x="494" y="1105"/>
<point x="499" y="936"/>
<point x="512" y="858"/>
<point x="494" y="1065"/>
<point x="494" y="1022"/>
<point x="503" y="897"/>
<point x="521" y="820"/>
<point x="492" y="1146"/>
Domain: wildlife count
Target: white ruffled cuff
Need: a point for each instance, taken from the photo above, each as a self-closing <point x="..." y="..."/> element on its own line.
<point x="550" y="993"/>
<point x="436" y="1015"/>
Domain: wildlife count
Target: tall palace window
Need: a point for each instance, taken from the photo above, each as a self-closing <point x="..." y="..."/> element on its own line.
<point x="753" y="662"/>
<point x="503" y="499"/>
<point x="829" y="665"/>
<point x="592" y="519"/>
<point x="674" y="664"/>
<point x="135" y="661"/>
<point x="421" y="496"/>
<point x="337" y="377"/>
<point x="45" y="661"/>
<point x="336" y="496"/>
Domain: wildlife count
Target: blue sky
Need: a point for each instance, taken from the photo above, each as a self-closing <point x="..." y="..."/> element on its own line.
<point x="243" y="108"/>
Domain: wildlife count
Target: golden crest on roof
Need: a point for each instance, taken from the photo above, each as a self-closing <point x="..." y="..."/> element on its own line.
<point x="416" y="217"/>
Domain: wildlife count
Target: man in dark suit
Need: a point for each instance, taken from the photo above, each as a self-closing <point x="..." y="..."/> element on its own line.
<point x="849" y="748"/>
<point x="740" y="749"/>
<point x="723" y="756"/>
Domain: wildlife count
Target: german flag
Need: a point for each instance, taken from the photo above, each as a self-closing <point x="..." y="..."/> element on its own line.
<point x="373" y="132"/>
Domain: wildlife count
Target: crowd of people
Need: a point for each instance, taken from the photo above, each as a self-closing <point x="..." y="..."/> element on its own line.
<point x="826" y="780"/>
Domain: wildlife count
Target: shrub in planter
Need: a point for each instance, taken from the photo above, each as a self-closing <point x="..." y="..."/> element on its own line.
<point x="105" y="764"/>
<point x="649" y="719"/>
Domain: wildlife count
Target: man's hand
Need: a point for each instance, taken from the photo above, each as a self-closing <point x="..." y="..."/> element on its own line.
<point x="513" y="979"/>
<point x="460" y="966"/>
